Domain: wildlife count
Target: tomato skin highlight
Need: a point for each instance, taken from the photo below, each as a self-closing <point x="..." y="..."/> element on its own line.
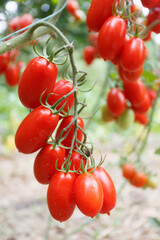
<point x="98" y="12"/>
<point x="60" y="196"/>
<point x="133" y="55"/>
<point x="109" y="191"/>
<point x="44" y="164"/>
<point x="128" y="170"/>
<point x="65" y="122"/>
<point x="34" y="130"/>
<point x="39" y="76"/>
<point x="61" y="88"/>
<point x="88" y="194"/>
<point x="12" y="75"/>
<point x="116" y="101"/>
<point x="111" y="38"/>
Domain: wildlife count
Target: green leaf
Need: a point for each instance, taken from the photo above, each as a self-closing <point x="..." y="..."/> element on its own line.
<point x="54" y="1"/>
<point x="157" y="151"/>
<point x="148" y="76"/>
<point x="154" y="222"/>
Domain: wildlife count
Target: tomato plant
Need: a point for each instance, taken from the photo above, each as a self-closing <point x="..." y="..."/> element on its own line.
<point x="88" y="194"/>
<point x="60" y="196"/>
<point x="34" y="130"/>
<point x="38" y="77"/>
<point x="45" y="161"/>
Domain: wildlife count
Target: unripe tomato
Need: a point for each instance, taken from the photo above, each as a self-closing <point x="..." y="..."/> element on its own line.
<point x="133" y="55"/>
<point x="128" y="170"/>
<point x="44" y="164"/>
<point x="144" y="106"/>
<point x="4" y="60"/>
<point x="60" y="196"/>
<point x="128" y="75"/>
<point x="116" y="101"/>
<point x="109" y="191"/>
<point x="111" y="38"/>
<point x="34" y="130"/>
<point x="126" y="120"/>
<point x="135" y="91"/>
<point x="72" y="6"/>
<point x="39" y="76"/>
<point x="88" y="194"/>
<point x="89" y="54"/>
<point x="61" y="88"/>
<point x="152" y="182"/>
<point x="154" y="15"/>
<point x="12" y="74"/>
<point x="98" y="12"/>
<point x="139" y="179"/>
<point x="65" y="122"/>
<point x="106" y="115"/>
<point x="141" y="118"/>
<point x="149" y="3"/>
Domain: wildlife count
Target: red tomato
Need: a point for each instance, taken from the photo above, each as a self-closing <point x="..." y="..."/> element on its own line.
<point x="65" y="122"/>
<point x="128" y="170"/>
<point x="130" y="76"/>
<point x="34" y="130"/>
<point x="144" y="106"/>
<point x="152" y="94"/>
<point x="60" y="196"/>
<point x="116" y="101"/>
<point x="72" y="6"/>
<point x="4" y="60"/>
<point x="88" y="194"/>
<point x="44" y="164"/>
<point x="141" y="118"/>
<point x="133" y="55"/>
<point x="76" y="160"/>
<point x="62" y="88"/>
<point x="13" y="54"/>
<point x="154" y="15"/>
<point x="12" y="74"/>
<point x="134" y="91"/>
<point x="109" y="191"/>
<point x="14" y="24"/>
<point x="38" y="76"/>
<point x="148" y="37"/>
<point x="25" y="20"/>
<point x="93" y="38"/>
<point x="139" y="179"/>
<point x="89" y="54"/>
<point x="98" y="12"/>
<point x="149" y="3"/>
<point x="111" y="38"/>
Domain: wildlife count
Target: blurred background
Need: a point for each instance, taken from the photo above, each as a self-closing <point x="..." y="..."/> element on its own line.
<point x="23" y="210"/>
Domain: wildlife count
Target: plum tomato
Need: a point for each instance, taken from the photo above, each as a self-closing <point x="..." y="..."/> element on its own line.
<point x="34" y="130"/>
<point x="111" y="38"/>
<point x="128" y="75"/>
<point x="60" y="196"/>
<point x="12" y="74"/>
<point x="88" y="194"/>
<point x="141" y="118"/>
<point x="72" y="6"/>
<point x="38" y="77"/>
<point x="139" y="179"/>
<point x="144" y="106"/>
<point x="109" y="191"/>
<point x="44" y="164"/>
<point x="126" y="119"/>
<point x="116" y="101"/>
<point x="4" y="60"/>
<point x="89" y="54"/>
<point x="128" y="170"/>
<point x="106" y="115"/>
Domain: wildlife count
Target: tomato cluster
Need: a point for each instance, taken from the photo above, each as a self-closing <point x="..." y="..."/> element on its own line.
<point x="92" y="190"/>
<point x="10" y="67"/>
<point x="138" y="178"/>
<point x="93" y="193"/>
<point x="72" y="8"/>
